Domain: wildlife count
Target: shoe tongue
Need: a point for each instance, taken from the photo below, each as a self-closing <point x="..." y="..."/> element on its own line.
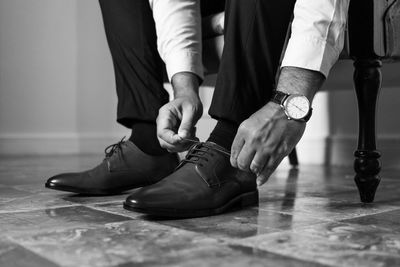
<point x="129" y="143"/>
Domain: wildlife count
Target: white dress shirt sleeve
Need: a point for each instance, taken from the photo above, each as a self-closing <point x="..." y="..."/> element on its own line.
<point x="317" y="38"/>
<point x="178" y="27"/>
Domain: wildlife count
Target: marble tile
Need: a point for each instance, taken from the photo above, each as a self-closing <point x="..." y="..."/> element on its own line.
<point x="7" y="193"/>
<point x="236" y="224"/>
<point x="388" y="220"/>
<point x="320" y="250"/>
<point x="33" y="202"/>
<point x="86" y="200"/>
<point x="13" y="255"/>
<point x="313" y="175"/>
<point x="322" y="207"/>
<point x="38" y="188"/>
<point x="292" y="184"/>
<point x="242" y="224"/>
<point x="306" y="217"/>
<point x="390" y="196"/>
<point x="140" y="243"/>
<point x="230" y="257"/>
<point x="309" y="190"/>
<point x="116" y="208"/>
<point x="368" y="237"/>
<point x="25" y="223"/>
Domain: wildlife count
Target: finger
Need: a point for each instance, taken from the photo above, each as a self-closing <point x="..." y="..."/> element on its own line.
<point x="168" y="136"/>
<point x="187" y="124"/>
<point x="273" y="162"/>
<point x="245" y="157"/>
<point x="173" y="148"/>
<point x="268" y="171"/>
<point x="263" y="177"/>
<point x="278" y="155"/>
<point x="259" y="161"/>
<point x="178" y="146"/>
<point x="166" y="122"/>
<point x="237" y="145"/>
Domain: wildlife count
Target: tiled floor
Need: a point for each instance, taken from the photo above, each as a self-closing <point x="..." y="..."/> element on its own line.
<point x="310" y="217"/>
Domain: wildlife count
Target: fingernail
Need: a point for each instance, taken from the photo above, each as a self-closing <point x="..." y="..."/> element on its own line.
<point x="255" y="171"/>
<point x="259" y="183"/>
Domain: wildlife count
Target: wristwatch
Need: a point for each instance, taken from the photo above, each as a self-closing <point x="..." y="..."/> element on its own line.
<point x="296" y="107"/>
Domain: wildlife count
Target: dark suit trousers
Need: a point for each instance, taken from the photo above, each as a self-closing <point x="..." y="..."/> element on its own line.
<point x="255" y="32"/>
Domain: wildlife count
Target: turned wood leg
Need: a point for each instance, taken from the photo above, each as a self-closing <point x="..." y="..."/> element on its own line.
<point x="367" y="83"/>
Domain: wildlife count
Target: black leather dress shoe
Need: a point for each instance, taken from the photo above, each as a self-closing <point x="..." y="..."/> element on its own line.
<point x="125" y="167"/>
<point x="203" y="184"/>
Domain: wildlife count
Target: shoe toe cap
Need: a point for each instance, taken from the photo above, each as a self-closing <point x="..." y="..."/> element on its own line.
<point x="149" y="197"/>
<point x="140" y="198"/>
<point x="60" y="180"/>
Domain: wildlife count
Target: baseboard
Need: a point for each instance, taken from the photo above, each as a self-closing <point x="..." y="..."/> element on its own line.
<point x="56" y="144"/>
<point x="335" y="150"/>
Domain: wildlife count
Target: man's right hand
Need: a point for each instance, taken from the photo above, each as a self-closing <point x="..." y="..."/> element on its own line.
<point x="177" y="119"/>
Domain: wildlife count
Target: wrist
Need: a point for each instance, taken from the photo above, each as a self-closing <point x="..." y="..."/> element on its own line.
<point x="293" y="80"/>
<point x="185" y="83"/>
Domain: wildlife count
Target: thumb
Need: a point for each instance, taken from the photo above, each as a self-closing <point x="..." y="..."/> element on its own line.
<point x="186" y="124"/>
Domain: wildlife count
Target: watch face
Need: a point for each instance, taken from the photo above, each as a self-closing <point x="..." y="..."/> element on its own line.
<point x="297" y="106"/>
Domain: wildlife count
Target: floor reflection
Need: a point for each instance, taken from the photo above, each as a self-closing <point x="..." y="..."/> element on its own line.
<point x="290" y="189"/>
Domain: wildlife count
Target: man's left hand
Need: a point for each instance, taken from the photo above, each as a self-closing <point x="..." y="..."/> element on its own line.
<point x="263" y="140"/>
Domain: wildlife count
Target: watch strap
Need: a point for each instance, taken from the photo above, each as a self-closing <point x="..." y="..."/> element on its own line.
<point x="279" y="97"/>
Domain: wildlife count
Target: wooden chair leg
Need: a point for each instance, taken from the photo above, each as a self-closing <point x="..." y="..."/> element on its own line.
<point x="293" y="160"/>
<point x="367" y="83"/>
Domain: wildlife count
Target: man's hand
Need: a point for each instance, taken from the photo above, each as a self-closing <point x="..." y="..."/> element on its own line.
<point x="177" y="119"/>
<point x="264" y="139"/>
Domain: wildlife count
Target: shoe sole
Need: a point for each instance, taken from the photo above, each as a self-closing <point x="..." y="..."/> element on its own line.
<point x="243" y="200"/>
<point x="93" y="192"/>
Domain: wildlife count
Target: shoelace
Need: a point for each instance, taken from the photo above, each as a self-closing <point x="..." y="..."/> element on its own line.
<point x="196" y="142"/>
<point x="114" y="148"/>
<point x="198" y="151"/>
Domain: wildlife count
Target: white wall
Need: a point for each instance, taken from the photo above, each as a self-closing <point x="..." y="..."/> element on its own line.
<point x="37" y="69"/>
<point x="56" y="79"/>
<point x="57" y="92"/>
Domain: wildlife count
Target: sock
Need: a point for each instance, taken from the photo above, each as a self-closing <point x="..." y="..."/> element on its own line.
<point x="224" y="134"/>
<point x="144" y="136"/>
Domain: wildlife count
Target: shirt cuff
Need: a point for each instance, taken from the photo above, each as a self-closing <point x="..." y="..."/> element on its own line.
<point x="310" y="52"/>
<point x="184" y="61"/>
